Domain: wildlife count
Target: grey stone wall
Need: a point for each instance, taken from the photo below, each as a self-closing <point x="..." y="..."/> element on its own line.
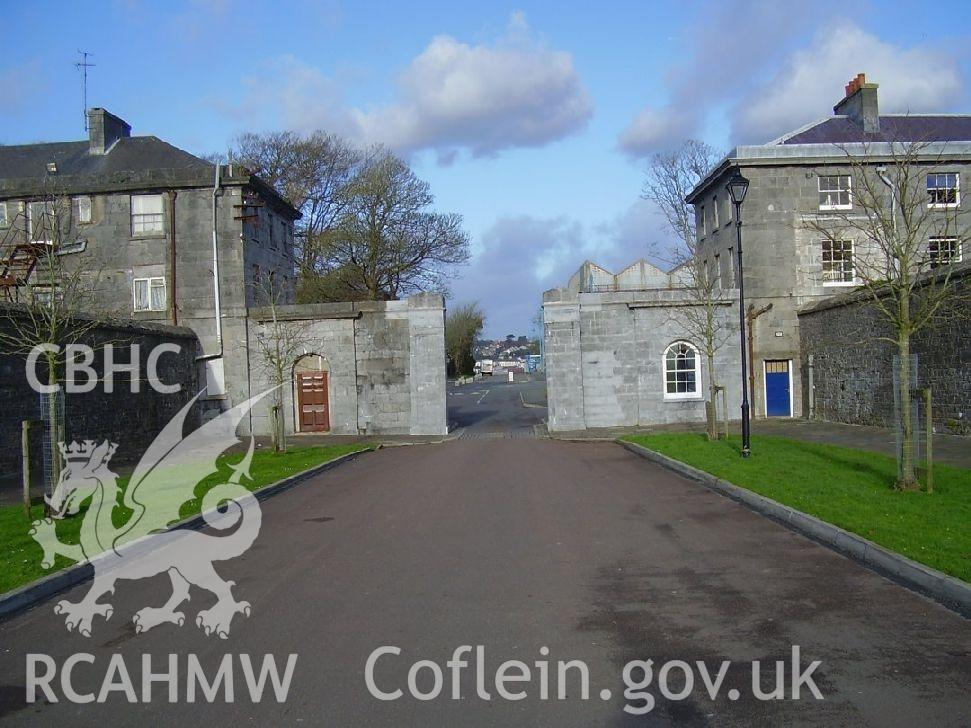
<point x="852" y="368"/>
<point x="385" y="362"/>
<point x="130" y="419"/>
<point x="604" y="355"/>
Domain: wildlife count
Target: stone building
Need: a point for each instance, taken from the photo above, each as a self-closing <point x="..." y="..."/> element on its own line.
<point x="174" y="239"/>
<point x="621" y="352"/>
<point x="804" y="176"/>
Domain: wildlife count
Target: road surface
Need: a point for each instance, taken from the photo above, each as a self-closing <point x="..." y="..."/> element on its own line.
<point x="493" y="408"/>
<point x="538" y="551"/>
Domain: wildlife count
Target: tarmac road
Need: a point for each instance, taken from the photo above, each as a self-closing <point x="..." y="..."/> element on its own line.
<point x="517" y="545"/>
<point x="493" y="407"/>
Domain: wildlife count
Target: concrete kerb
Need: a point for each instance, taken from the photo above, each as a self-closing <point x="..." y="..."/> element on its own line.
<point x="952" y="593"/>
<point x="25" y="597"/>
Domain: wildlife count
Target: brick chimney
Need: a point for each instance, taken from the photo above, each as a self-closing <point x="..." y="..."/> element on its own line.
<point x="860" y="104"/>
<point x="104" y="129"/>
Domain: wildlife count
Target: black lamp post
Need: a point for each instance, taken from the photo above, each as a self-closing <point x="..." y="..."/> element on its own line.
<point x="737" y="187"/>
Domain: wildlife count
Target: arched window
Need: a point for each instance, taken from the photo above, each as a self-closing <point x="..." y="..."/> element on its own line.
<point x="682" y="371"/>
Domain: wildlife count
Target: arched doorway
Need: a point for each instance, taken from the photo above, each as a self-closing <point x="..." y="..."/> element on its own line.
<point x="311" y="377"/>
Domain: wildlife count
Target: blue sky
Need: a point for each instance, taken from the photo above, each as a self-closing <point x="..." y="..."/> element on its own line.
<point x="531" y="119"/>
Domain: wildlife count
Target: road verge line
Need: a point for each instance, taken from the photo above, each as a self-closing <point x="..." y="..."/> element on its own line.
<point x="947" y="590"/>
<point x="24" y="597"/>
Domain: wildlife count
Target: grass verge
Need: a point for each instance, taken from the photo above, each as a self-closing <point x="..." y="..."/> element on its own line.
<point x="21" y="556"/>
<point x="846" y="487"/>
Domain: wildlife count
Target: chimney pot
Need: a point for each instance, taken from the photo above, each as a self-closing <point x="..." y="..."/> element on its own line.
<point x="104" y="129"/>
<point x="860" y="104"/>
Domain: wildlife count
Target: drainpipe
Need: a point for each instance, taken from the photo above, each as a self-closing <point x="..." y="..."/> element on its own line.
<point x="215" y="272"/>
<point x="215" y="263"/>
<point x="172" y="258"/>
<point x="812" y="389"/>
<point x="882" y="174"/>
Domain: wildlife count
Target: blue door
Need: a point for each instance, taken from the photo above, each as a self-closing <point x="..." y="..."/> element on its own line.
<point x="777" y="396"/>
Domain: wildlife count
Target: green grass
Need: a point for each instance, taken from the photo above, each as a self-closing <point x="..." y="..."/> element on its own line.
<point x="21" y="556"/>
<point x="849" y="488"/>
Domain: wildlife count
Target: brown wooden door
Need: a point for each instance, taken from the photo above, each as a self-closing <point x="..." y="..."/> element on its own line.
<point x="312" y="402"/>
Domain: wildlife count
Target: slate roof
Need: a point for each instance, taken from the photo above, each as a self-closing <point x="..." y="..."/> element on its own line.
<point x="893" y="128"/>
<point x="140" y="162"/>
<point x="129" y="154"/>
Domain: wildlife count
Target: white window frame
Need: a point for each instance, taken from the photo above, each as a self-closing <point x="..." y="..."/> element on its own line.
<point x="822" y="263"/>
<point x="704" y="221"/>
<point x="956" y="258"/>
<point x="681" y="396"/>
<point x="4" y="217"/>
<point x="160" y="221"/>
<point x="151" y="282"/>
<point x="957" y="190"/>
<point x="714" y="207"/>
<point x="848" y="190"/>
<point x="48" y="210"/>
<point x="84" y="202"/>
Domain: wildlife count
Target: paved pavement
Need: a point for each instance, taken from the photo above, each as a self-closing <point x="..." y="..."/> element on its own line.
<point x="517" y="545"/>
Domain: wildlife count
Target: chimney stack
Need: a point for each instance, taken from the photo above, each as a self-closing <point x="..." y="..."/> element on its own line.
<point x="104" y="129"/>
<point x="860" y="104"/>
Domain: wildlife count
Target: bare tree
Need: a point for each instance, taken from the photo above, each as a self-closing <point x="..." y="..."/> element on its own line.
<point x="310" y="171"/>
<point x="388" y="243"/>
<point x="902" y="227"/>
<point x="670" y="177"/>
<point x="279" y="343"/>
<point x="51" y="286"/>
<point x="462" y="326"/>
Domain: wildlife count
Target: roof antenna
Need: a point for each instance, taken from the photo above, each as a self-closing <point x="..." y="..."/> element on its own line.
<point x="83" y="66"/>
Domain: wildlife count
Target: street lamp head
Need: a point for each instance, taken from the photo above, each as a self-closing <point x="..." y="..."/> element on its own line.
<point x="737" y="187"/>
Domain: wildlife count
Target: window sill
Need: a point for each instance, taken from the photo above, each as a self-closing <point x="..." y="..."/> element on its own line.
<point x="950" y="206"/>
<point x="146" y="314"/>
<point x="839" y="284"/>
<point x="683" y="398"/>
<point x="830" y="208"/>
<point x="152" y="236"/>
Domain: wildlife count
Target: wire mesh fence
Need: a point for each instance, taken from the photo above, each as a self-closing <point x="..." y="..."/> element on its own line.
<point x="49" y="443"/>
<point x="910" y="415"/>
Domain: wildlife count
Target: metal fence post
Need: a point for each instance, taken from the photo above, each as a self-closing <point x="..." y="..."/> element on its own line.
<point x="26" y="427"/>
<point x="929" y="435"/>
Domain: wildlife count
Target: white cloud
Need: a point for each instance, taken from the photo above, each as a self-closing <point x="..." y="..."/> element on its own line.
<point x="914" y="79"/>
<point x="453" y="96"/>
<point x="772" y="74"/>
<point x="485" y="98"/>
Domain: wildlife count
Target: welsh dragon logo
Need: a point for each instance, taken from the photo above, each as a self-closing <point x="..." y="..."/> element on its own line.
<point x="164" y="479"/>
